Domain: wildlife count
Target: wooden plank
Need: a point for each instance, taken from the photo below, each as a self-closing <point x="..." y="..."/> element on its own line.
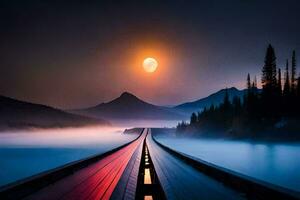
<point x="181" y="181"/>
<point x="126" y="187"/>
<point x="96" y="181"/>
<point x="87" y="176"/>
<point x="250" y="187"/>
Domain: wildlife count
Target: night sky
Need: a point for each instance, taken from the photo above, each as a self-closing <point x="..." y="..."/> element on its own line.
<point x="80" y="53"/>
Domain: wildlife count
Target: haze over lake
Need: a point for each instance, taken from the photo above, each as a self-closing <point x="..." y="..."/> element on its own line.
<point x="276" y="163"/>
<point x="25" y="153"/>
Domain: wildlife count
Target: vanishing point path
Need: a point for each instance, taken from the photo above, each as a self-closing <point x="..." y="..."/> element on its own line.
<point x="141" y="169"/>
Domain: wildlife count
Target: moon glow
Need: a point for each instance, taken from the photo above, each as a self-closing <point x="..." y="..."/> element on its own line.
<point x="150" y="65"/>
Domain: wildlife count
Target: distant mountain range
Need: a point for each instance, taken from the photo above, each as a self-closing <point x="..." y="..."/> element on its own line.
<point x="128" y="107"/>
<point x="15" y="113"/>
<point x="215" y="99"/>
<point x="20" y="114"/>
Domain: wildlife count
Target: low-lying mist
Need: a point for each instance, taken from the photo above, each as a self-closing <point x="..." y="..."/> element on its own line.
<point x="63" y="137"/>
<point x="145" y="123"/>
<point x="273" y="162"/>
<point x="24" y="153"/>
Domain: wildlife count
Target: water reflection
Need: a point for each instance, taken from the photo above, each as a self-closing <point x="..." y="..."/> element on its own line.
<point x="272" y="162"/>
<point x="25" y="153"/>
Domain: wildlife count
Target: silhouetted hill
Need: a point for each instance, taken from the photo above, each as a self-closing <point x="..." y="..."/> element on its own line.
<point x="128" y="106"/>
<point x="215" y="99"/>
<point x="20" y="114"/>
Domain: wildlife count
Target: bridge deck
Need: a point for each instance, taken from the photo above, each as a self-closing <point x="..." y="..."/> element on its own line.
<point x="97" y="181"/>
<point x="181" y="181"/>
<point x="126" y="187"/>
<point x="117" y="175"/>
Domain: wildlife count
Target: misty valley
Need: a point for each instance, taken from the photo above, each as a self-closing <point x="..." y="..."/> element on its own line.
<point x="149" y="100"/>
<point x="30" y="152"/>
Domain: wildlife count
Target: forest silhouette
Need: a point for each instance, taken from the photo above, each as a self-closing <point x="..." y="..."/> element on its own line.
<point x="270" y="112"/>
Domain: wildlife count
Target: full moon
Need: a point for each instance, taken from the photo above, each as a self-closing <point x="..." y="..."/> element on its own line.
<point x="150" y="65"/>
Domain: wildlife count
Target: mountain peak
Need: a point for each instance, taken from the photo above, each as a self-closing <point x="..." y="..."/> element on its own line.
<point x="228" y="89"/>
<point x="128" y="97"/>
<point x="233" y="88"/>
<point x="128" y="106"/>
<point x="127" y="94"/>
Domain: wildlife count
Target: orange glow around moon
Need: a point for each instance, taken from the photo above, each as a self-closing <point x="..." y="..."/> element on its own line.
<point x="150" y="65"/>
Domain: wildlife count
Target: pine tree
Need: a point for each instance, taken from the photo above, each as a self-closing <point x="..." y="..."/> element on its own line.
<point x="249" y="87"/>
<point x="199" y="115"/>
<point x="226" y="102"/>
<point x="212" y="108"/>
<point x="298" y="87"/>
<point x="248" y="82"/>
<point x="255" y="86"/>
<point x="279" y="98"/>
<point x="237" y="105"/>
<point x="287" y="88"/>
<point x="269" y="81"/>
<point x="293" y="73"/>
<point x="193" y="119"/>
<point x="297" y="106"/>
<point x="255" y="82"/>
<point x="279" y="81"/>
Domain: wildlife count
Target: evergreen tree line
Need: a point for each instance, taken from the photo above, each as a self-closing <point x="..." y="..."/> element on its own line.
<point x="274" y="107"/>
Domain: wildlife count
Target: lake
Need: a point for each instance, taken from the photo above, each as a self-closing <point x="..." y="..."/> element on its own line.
<point x="277" y="163"/>
<point x="25" y="153"/>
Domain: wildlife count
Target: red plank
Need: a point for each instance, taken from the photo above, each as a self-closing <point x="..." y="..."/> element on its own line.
<point x="97" y="181"/>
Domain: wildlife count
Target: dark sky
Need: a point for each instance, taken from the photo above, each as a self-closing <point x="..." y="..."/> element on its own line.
<point x="72" y="54"/>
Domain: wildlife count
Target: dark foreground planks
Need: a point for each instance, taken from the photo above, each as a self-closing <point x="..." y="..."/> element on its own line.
<point x="249" y="187"/>
<point x="126" y="187"/>
<point x="96" y="181"/>
<point x="181" y="181"/>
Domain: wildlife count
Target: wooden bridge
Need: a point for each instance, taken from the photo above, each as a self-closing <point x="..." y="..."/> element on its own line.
<point x="142" y="169"/>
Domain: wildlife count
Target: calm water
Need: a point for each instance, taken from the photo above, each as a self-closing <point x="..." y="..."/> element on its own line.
<point x="26" y="153"/>
<point x="272" y="162"/>
<point x="145" y="123"/>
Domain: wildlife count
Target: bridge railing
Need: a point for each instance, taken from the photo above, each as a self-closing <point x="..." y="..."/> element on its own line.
<point x="250" y="187"/>
<point x="27" y="186"/>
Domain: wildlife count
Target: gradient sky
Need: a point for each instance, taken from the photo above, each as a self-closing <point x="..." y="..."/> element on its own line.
<point x="76" y="54"/>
